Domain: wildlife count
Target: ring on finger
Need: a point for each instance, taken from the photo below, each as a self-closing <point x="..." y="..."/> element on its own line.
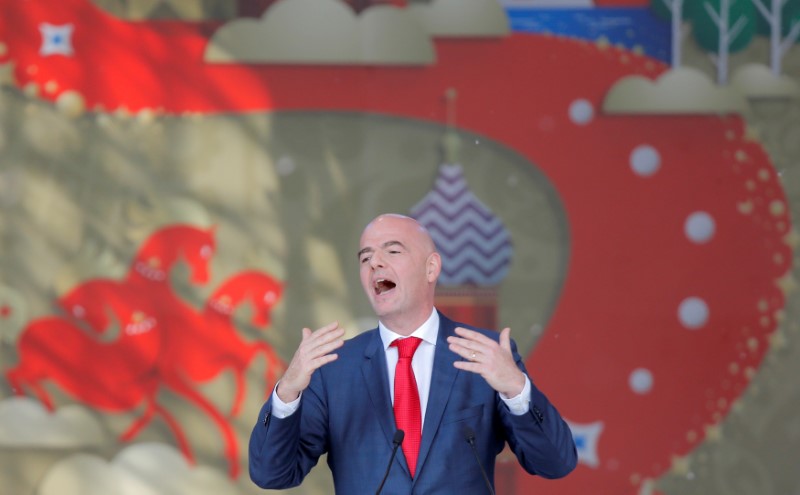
<point x="472" y="356"/>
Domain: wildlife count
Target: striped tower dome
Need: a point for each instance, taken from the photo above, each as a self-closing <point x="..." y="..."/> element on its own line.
<point x="475" y="245"/>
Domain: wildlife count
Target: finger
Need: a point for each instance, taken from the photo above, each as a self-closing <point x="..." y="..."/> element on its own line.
<point x="329" y="336"/>
<point x="316" y="344"/>
<point x="325" y="349"/>
<point x="505" y="339"/>
<point x="474" y="336"/>
<point x="460" y="349"/>
<point x="468" y="366"/>
<point x="325" y="335"/>
<point x="465" y="353"/>
<point x="322" y="331"/>
<point x="462" y="343"/>
<point x="323" y="360"/>
<point x="466" y="349"/>
<point x="476" y="345"/>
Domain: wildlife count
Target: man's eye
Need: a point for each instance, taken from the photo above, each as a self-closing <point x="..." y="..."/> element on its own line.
<point x="394" y="251"/>
<point x="364" y="259"/>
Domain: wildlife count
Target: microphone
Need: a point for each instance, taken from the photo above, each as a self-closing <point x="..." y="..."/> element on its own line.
<point x="399" y="435"/>
<point x="469" y="436"/>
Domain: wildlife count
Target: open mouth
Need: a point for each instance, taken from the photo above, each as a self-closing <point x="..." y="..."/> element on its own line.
<point x="383" y="285"/>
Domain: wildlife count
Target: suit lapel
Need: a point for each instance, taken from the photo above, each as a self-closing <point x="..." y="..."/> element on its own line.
<point x="376" y="382"/>
<point x="442" y="380"/>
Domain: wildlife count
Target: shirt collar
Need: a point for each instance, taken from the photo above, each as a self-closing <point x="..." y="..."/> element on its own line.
<point x="428" y="331"/>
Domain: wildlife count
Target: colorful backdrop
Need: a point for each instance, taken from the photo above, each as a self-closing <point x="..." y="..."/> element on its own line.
<point x="183" y="185"/>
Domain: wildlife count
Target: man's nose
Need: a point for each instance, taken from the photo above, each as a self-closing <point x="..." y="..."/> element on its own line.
<point x="376" y="260"/>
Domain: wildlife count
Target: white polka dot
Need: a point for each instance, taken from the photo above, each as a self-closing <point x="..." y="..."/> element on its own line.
<point x="581" y="112"/>
<point x="693" y="313"/>
<point x="645" y="160"/>
<point x="641" y="381"/>
<point x="699" y="227"/>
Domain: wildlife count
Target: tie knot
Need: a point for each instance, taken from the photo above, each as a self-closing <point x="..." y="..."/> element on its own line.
<point x="406" y="347"/>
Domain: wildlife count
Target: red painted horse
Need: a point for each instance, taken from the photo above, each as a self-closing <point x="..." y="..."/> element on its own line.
<point x="59" y="349"/>
<point x="164" y="248"/>
<point x="149" y="274"/>
<point x="114" y="375"/>
<point x="119" y="374"/>
<point x="217" y="344"/>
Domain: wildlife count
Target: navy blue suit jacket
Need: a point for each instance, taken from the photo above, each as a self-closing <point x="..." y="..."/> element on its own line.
<point x="346" y="411"/>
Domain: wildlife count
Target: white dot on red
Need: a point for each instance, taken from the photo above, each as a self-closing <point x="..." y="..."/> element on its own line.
<point x="693" y="313"/>
<point x="699" y="227"/>
<point x="645" y="160"/>
<point x="581" y="112"/>
<point x="641" y="381"/>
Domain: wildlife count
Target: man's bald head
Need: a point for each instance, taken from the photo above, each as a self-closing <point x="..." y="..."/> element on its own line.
<point x="399" y="267"/>
<point x="425" y="239"/>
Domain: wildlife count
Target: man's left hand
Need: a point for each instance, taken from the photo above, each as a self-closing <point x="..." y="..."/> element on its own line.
<point x="492" y="360"/>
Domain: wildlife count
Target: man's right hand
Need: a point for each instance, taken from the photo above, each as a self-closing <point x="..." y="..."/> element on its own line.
<point x="314" y="352"/>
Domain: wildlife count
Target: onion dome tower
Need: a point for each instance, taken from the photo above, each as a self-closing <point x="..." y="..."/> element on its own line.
<point x="474" y="244"/>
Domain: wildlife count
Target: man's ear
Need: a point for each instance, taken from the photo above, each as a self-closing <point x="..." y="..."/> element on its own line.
<point x="433" y="267"/>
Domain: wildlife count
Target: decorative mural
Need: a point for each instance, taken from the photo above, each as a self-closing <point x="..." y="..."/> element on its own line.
<point x="180" y="196"/>
<point x="161" y="341"/>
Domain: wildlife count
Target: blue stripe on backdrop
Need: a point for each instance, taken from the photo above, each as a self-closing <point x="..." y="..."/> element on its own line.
<point x="630" y="26"/>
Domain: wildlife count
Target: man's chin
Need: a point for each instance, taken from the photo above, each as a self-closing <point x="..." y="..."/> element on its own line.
<point x="382" y="309"/>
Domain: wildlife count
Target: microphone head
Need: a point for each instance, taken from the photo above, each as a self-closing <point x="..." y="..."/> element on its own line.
<point x="399" y="435"/>
<point x="469" y="434"/>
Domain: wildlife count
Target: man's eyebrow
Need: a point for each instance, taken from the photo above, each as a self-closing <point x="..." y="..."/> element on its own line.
<point x="384" y="246"/>
<point x="393" y="243"/>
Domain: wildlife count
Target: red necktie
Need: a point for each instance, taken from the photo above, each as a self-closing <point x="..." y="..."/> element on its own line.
<point x="406" y="400"/>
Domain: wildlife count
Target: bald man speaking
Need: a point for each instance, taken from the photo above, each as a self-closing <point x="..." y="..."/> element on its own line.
<point x="420" y="405"/>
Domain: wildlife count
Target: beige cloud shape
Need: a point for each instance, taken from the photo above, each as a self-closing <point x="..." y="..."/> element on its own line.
<point x="679" y="91"/>
<point x="140" y="469"/>
<point x="71" y="103"/>
<point x="758" y="81"/>
<point x="24" y="423"/>
<point x="462" y="18"/>
<point x="323" y="32"/>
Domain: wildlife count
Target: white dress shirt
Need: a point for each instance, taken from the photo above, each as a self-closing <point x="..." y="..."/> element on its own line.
<point x="422" y="364"/>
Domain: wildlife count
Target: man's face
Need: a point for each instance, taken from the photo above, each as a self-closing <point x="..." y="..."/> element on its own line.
<point x="398" y="268"/>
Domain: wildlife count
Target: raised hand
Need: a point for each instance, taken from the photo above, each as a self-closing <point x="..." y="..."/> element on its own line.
<point x="492" y="360"/>
<point x="315" y="350"/>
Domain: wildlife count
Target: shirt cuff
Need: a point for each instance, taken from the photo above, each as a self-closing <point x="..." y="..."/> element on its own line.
<point x="281" y="409"/>
<point x="520" y="404"/>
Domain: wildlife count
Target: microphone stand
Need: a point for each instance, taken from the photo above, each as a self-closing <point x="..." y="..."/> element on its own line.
<point x="399" y="435"/>
<point x="469" y="436"/>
